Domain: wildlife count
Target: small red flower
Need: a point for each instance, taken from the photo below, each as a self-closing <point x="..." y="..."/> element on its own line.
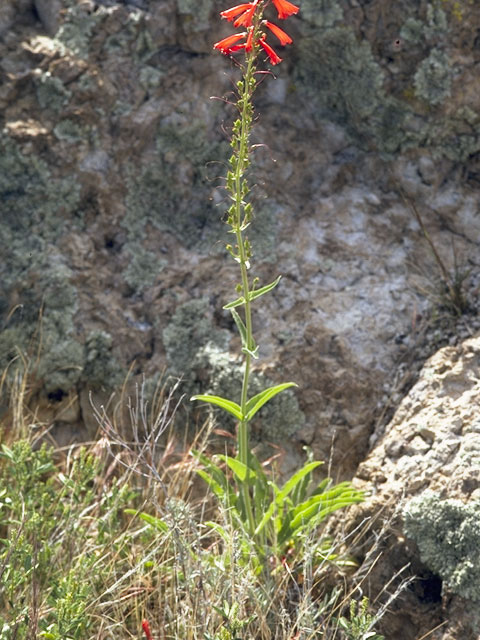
<point x="232" y="13"/>
<point x="285" y="8"/>
<point x="245" y="20"/>
<point x="236" y="47"/>
<point x="228" y="44"/>
<point x="249" y="42"/>
<point x="274" y="58"/>
<point x="146" y="630"/>
<point x="281" y="35"/>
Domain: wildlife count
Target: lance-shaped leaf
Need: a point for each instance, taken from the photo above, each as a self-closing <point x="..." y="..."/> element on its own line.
<point x="219" y="529"/>
<point x="154" y="522"/>
<point x="257" y="402"/>
<point x="286" y="489"/>
<point x="216" y="479"/>
<point x="235" y="303"/>
<point x="251" y="349"/>
<point x="316" y="508"/>
<point x="239" y="468"/>
<point x="268" y="287"/>
<point x="227" y="405"/>
<point x="215" y="486"/>
<point x="242" y="329"/>
<point x="252" y="295"/>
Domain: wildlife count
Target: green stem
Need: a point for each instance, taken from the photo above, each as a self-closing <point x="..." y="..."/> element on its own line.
<point x="243" y="435"/>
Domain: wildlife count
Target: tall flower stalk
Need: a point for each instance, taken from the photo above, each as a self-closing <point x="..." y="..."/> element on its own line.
<point x="269" y="515"/>
<point x="251" y="42"/>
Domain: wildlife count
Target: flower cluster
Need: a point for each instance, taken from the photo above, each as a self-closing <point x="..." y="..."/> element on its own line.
<point x="249" y="16"/>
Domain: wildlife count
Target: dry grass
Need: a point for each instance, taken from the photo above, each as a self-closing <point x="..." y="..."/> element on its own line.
<point x="94" y="566"/>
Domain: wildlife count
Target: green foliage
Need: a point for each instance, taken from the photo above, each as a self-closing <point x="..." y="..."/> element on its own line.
<point x="69" y="601"/>
<point x="447" y="533"/>
<point x="252" y="406"/>
<point x="358" y="626"/>
<point x="267" y="517"/>
<point x="283" y="516"/>
<point x="80" y="557"/>
<point x="275" y="422"/>
<point x="253" y="294"/>
<point x="233" y="624"/>
<point x="46" y="563"/>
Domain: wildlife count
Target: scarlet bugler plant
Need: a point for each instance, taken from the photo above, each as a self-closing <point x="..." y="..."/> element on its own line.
<point x="270" y="516"/>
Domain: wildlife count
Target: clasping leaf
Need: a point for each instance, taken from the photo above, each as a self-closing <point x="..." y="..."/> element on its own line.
<point x="257" y="402"/>
<point x="252" y="295"/>
<point x="252" y="348"/>
<point x="228" y="405"/>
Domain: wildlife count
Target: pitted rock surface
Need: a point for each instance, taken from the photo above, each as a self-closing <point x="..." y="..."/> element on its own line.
<point x="423" y="473"/>
<point x="111" y="157"/>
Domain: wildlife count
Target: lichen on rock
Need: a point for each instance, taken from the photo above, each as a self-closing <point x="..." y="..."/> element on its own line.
<point x="31" y="199"/>
<point x="433" y="79"/>
<point x="101" y="369"/>
<point x="340" y="77"/>
<point x="321" y="13"/>
<point x="447" y="533"/>
<point x="33" y="271"/>
<point x="196" y="13"/>
<point x="431" y="29"/>
<point x="339" y="73"/>
<point x="172" y="191"/>
<point x="346" y="81"/>
<point x="78" y="26"/>
<point x="69" y="131"/>
<point x="143" y="267"/>
<point x="51" y="92"/>
<point x="190" y="329"/>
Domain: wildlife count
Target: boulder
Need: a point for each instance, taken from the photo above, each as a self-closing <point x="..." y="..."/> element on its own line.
<point x="423" y="475"/>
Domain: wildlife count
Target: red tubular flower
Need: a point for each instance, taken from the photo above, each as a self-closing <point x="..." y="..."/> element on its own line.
<point x="249" y="42"/>
<point x="232" y="13"/>
<point x="285" y="8"/>
<point x="245" y="20"/>
<point x="228" y="44"/>
<point x="146" y="630"/>
<point x="279" y="33"/>
<point x="243" y="15"/>
<point x="236" y="47"/>
<point x="274" y="58"/>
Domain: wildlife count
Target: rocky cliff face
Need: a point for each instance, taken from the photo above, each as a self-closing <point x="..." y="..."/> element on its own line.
<point x="111" y="157"/>
<point x="423" y="475"/>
